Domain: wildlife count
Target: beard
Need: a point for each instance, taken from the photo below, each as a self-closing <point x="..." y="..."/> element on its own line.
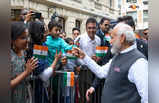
<point x="116" y="47"/>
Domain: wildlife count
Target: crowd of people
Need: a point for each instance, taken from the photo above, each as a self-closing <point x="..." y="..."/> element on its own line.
<point x="111" y="61"/>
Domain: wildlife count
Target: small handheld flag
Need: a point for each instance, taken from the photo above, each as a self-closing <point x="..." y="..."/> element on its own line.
<point x="69" y="55"/>
<point x="40" y="51"/>
<point x="101" y="51"/>
<point x="69" y="79"/>
<point x="107" y="37"/>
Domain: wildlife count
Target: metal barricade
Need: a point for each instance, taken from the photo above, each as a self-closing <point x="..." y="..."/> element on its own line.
<point x="38" y="92"/>
<point x="65" y="86"/>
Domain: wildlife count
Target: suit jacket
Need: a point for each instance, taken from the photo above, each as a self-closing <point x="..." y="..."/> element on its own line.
<point x="109" y="55"/>
<point x="142" y="46"/>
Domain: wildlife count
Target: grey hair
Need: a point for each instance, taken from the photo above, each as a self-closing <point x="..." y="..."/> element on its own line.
<point x="127" y="31"/>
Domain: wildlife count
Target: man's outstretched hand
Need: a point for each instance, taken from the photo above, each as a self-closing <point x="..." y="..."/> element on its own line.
<point x="78" y="52"/>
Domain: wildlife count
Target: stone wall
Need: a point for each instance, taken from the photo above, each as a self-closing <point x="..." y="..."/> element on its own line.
<point x="70" y="10"/>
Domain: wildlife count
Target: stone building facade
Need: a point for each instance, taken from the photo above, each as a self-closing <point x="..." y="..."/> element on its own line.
<point x="73" y="13"/>
<point x="138" y="9"/>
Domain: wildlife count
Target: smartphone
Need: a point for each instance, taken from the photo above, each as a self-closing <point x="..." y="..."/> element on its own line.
<point x="36" y="15"/>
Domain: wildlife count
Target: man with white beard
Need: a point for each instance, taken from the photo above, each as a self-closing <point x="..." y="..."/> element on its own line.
<point x="126" y="73"/>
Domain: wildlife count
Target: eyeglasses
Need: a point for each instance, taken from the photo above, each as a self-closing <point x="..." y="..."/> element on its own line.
<point x="106" y="25"/>
<point x="145" y="33"/>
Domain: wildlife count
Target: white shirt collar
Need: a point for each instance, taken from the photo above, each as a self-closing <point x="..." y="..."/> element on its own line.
<point x="129" y="48"/>
<point x="88" y="38"/>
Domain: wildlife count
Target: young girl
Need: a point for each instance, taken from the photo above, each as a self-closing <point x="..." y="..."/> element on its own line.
<point x="20" y="70"/>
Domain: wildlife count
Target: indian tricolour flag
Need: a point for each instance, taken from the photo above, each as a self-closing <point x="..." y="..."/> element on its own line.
<point x="101" y="51"/>
<point x="69" y="55"/>
<point x="107" y="37"/>
<point x="40" y="51"/>
<point x="69" y="79"/>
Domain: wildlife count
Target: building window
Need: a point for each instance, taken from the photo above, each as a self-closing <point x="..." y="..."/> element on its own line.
<point x="111" y="4"/>
<point x="133" y="14"/>
<point x="15" y="14"/>
<point x="131" y="1"/>
<point x="145" y="15"/>
<point x="62" y="22"/>
<point x="145" y="2"/>
<point x="78" y="24"/>
<point x="119" y="3"/>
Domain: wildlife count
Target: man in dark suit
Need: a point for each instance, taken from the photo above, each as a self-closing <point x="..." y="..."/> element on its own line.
<point x="146" y="33"/>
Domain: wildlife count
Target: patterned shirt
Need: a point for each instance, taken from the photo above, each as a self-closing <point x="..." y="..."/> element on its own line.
<point x="20" y="93"/>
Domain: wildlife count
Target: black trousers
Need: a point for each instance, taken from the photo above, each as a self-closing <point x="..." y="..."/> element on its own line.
<point x="86" y="78"/>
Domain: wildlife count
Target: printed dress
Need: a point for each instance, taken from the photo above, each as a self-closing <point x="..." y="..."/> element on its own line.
<point x="22" y="92"/>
